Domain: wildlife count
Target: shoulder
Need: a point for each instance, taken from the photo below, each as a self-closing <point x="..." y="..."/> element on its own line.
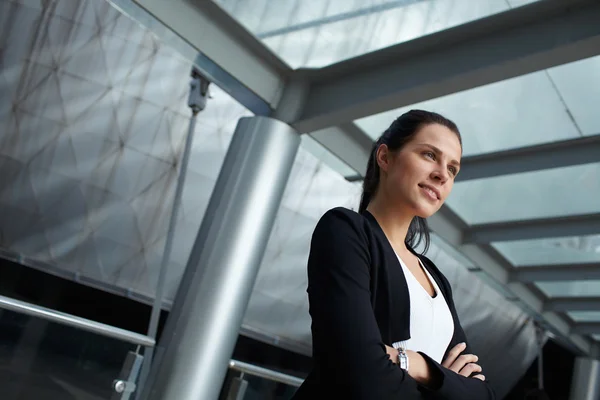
<point x="342" y="226"/>
<point x="341" y="218"/>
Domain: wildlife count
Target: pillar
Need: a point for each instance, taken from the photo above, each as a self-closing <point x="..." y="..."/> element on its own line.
<point x="194" y="351"/>
<point x="585" y="384"/>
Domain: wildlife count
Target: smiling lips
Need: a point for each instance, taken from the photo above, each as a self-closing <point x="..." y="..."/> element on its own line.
<point x="430" y="192"/>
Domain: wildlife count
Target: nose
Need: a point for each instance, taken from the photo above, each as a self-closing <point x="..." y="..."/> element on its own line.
<point x="441" y="175"/>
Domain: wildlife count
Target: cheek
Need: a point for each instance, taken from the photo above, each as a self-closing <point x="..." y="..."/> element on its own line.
<point x="447" y="192"/>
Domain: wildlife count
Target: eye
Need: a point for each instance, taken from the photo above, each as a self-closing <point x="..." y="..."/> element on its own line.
<point x="453" y="170"/>
<point x="430" y="154"/>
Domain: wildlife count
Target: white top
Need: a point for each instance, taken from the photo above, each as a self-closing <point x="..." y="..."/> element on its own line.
<point x="431" y="323"/>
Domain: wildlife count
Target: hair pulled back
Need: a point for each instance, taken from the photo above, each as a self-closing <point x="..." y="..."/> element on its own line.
<point x="400" y="132"/>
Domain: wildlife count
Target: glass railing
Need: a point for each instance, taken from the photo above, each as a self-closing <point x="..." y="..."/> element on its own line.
<point x="49" y="355"/>
<point x="249" y="382"/>
<point x="45" y="360"/>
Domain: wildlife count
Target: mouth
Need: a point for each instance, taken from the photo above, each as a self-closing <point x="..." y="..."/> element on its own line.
<point x="432" y="192"/>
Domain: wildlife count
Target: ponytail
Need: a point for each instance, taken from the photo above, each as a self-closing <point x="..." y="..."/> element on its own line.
<point x="371" y="181"/>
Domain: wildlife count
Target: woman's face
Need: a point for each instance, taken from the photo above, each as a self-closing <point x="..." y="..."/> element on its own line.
<point x="420" y="176"/>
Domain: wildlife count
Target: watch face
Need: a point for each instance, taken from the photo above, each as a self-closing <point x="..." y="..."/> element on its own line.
<point x="403" y="360"/>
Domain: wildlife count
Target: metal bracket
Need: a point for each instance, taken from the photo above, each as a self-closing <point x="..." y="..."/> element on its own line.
<point x="124" y="385"/>
<point x="198" y="92"/>
<point x="238" y="387"/>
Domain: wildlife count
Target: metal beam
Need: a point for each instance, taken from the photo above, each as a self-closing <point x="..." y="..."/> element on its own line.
<point x="315" y="23"/>
<point x="547" y="273"/>
<point x="348" y="142"/>
<point x="563" y="304"/>
<point x="586" y="328"/>
<point x="450" y="227"/>
<point x="526" y="39"/>
<point x="564" y="153"/>
<point x="577" y="225"/>
<point x="223" y="40"/>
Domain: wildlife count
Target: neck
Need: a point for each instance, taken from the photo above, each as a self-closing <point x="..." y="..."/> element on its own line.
<point x="393" y="221"/>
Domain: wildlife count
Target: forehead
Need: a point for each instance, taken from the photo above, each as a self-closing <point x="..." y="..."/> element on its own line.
<point x="440" y="137"/>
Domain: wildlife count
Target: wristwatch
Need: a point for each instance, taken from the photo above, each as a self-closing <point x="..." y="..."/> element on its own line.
<point x="402" y="359"/>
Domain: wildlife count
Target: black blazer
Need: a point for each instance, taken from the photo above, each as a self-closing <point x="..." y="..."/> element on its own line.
<point x="359" y="302"/>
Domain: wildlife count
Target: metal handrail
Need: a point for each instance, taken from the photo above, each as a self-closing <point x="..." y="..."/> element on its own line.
<point x="22" y="307"/>
<point x="265" y="373"/>
<point x="49" y="314"/>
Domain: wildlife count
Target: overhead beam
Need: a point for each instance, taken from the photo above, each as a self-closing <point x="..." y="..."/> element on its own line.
<point x="330" y="19"/>
<point x="577" y="225"/>
<point x="348" y="142"/>
<point x="586" y="328"/>
<point x="565" y="153"/>
<point x="563" y="272"/>
<point x="560" y="154"/>
<point x="564" y="304"/>
<point x="450" y="228"/>
<point x="526" y="39"/>
<point x="225" y="43"/>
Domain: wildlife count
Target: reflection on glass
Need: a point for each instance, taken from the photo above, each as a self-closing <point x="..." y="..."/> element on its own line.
<point x="42" y="360"/>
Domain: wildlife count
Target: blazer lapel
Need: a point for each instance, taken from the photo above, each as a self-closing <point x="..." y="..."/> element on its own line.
<point x="391" y="271"/>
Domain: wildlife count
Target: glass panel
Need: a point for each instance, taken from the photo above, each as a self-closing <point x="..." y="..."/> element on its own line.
<point x="518" y="112"/>
<point x="573" y="288"/>
<point x="585" y="316"/>
<point x="264" y="389"/>
<point x="316" y="149"/>
<point x="257" y="388"/>
<point x="567" y="250"/>
<point x="43" y="360"/>
<point x="92" y="195"/>
<point x="579" y="85"/>
<point x="314" y="34"/>
<point x="451" y="251"/>
<point x="540" y="194"/>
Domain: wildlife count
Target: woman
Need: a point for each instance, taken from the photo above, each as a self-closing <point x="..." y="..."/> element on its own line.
<point x="384" y="325"/>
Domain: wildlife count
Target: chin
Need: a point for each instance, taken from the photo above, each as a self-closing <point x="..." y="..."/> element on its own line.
<point x="426" y="211"/>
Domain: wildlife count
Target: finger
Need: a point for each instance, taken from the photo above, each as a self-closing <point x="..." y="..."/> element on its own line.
<point x="469" y="370"/>
<point x="463" y="360"/>
<point x="480" y="377"/>
<point x="453" y="354"/>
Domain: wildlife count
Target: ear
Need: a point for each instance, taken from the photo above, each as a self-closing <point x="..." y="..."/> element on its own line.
<point x="383" y="157"/>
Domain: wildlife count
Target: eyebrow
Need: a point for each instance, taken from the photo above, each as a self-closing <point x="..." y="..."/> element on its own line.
<point x="437" y="150"/>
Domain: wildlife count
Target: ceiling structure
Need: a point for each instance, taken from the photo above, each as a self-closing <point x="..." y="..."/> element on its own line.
<point x="521" y="80"/>
<point x="93" y="105"/>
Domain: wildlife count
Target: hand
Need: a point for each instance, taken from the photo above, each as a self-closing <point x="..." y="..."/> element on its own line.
<point x="463" y="364"/>
<point x="418" y="368"/>
<point x="393" y="353"/>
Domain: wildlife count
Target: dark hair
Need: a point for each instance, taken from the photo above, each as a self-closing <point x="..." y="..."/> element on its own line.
<point x="402" y="130"/>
